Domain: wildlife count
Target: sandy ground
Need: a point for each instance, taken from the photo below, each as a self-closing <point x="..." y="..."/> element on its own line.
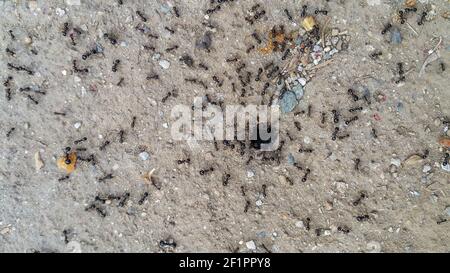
<point x="405" y="202"/>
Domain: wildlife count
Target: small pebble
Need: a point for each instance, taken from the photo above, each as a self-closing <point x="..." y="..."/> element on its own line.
<point x="251" y="245"/>
<point x="288" y="102"/>
<point x="144" y="156"/>
<point x="77" y="125"/>
<point x="164" y="64"/>
<point x="250" y="174"/>
<point x="396" y="37"/>
<point x="426" y="168"/>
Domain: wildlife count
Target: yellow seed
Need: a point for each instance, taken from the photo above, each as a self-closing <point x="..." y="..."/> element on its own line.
<point x="69" y="168"/>
<point x="410" y="3"/>
<point x="308" y="23"/>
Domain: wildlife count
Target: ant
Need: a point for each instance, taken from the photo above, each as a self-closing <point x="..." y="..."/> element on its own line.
<point x="355" y="109"/>
<point x="133" y="122"/>
<point x="362" y="196"/>
<point x="19" y="68"/>
<point x="347" y="122"/>
<point x="175" y="10"/>
<point x="335" y="116"/>
<point x="352" y="93"/>
<point x="169" y="30"/>
<point x="8" y="134"/>
<point x="226" y="179"/>
<point x="247" y="206"/>
<point x="76" y="142"/>
<point x="362" y="218"/>
<point x="124" y="198"/>
<point x="203" y="66"/>
<point x="143" y="198"/>
<point x="10" y="52"/>
<point x="115" y="65"/>
<point x="256" y="37"/>
<point x="286" y="11"/>
<point x="422" y="18"/>
<point x="324" y="12"/>
<point x="375" y="55"/>
<point x="305" y="177"/>
<point x="357" y="163"/>
<point x="121" y="136"/>
<point x="141" y="15"/>
<point x="304" y="8"/>
<point x="386" y="28"/>
<point x="106" y="177"/>
<point x="104" y="145"/>
<point x="112" y="39"/>
<point x="336" y="131"/>
<point x="182" y="161"/>
<point x="78" y="70"/>
<point x="203" y="172"/>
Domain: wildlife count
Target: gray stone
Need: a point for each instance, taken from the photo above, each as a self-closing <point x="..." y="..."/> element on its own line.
<point x="288" y="102"/>
<point x="396" y="36"/>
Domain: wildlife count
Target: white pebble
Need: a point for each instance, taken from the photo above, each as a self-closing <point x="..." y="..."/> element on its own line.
<point x="77" y="125"/>
<point x="251" y="245"/>
<point x="144" y="156"/>
<point x="60" y="12"/>
<point x="250" y="174"/>
<point x="64" y="72"/>
<point x="426" y="168"/>
<point x="259" y="203"/>
<point x="164" y="64"/>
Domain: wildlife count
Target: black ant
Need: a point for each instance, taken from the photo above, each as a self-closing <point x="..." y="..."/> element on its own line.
<point x="67" y="154"/>
<point x="8" y="81"/>
<point x="106" y="177"/>
<point x="335" y="116"/>
<point x="104" y="145"/>
<point x="182" y="161"/>
<point x="422" y="18"/>
<point x="386" y="28"/>
<point x="10" y="52"/>
<point x="203" y="66"/>
<point x="175" y="10"/>
<point x="247" y="206"/>
<point x="401" y="14"/>
<point x="324" y="12"/>
<point x="362" y="218"/>
<point x="19" y="68"/>
<point x="352" y="93"/>
<point x="304" y="8"/>
<point x="112" y="39"/>
<point x="76" y="142"/>
<point x="65" y="29"/>
<point x="256" y="37"/>
<point x="226" y="179"/>
<point x="169" y="30"/>
<point x="286" y="54"/>
<point x="121" y="136"/>
<point x="124" y="198"/>
<point x="168" y="243"/>
<point x="141" y="15"/>
<point x="446" y="158"/>
<point x="258" y="76"/>
<point x="32" y="99"/>
<point x="232" y="60"/>
<point x="357" y="163"/>
<point x="120" y="83"/>
<point x="8" y="134"/>
<point x="347" y="122"/>
<point x="362" y="196"/>
<point x="374" y="133"/>
<point x="152" y="77"/>
<point x="133" y="122"/>
<point x="298" y="125"/>
<point x="143" y="198"/>
<point x="250" y="48"/>
<point x="286" y="11"/>
<point x="375" y="55"/>
<point x="203" y="172"/>
<point x="305" y="177"/>
<point x="351" y="110"/>
<point x="64" y="178"/>
<point x="115" y="65"/>
<point x="11" y="34"/>
<point x="78" y="70"/>
<point x="336" y="131"/>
